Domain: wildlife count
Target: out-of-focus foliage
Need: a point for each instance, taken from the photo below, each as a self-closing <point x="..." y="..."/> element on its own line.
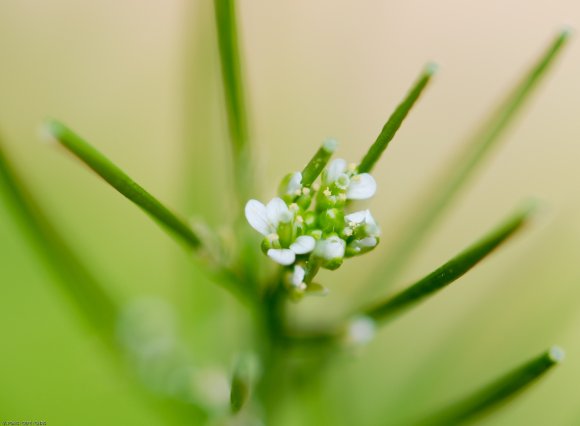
<point x="144" y="81"/>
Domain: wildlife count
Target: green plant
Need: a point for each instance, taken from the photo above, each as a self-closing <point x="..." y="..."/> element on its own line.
<point x="325" y="233"/>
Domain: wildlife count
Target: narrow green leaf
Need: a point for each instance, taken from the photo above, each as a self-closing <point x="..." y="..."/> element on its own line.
<point x="318" y="162"/>
<point x="243" y="169"/>
<point x="395" y="120"/>
<point x="457" y="175"/>
<point x="230" y="59"/>
<point x="227" y="31"/>
<point x="495" y="394"/>
<point x="139" y="196"/>
<point x="123" y="183"/>
<point x="91" y="296"/>
<point x="450" y="271"/>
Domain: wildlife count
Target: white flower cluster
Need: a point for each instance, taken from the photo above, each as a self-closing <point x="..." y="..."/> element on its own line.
<point x="307" y="226"/>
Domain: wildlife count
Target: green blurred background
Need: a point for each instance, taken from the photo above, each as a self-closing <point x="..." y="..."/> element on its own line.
<point x="141" y="81"/>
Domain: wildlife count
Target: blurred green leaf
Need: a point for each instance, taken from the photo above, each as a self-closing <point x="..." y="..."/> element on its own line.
<point x="229" y="50"/>
<point x="450" y="271"/>
<point x="395" y="120"/>
<point x="501" y="391"/>
<point x="457" y="175"/>
<point x="96" y="304"/>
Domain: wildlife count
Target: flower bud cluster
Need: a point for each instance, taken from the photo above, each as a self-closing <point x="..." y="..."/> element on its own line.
<point x="307" y="226"/>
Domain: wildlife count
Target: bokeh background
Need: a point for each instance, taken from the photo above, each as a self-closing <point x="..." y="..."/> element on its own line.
<point x="141" y="81"/>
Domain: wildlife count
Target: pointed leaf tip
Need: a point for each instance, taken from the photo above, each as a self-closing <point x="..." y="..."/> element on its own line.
<point x="318" y="162"/>
<point x="431" y="68"/>
<point x="556" y="354"/>
<point x="566" y="32"/>
<point x="330" y="145"/>
<point x="396" y="120"/>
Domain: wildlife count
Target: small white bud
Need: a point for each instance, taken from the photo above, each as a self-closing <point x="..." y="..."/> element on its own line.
<point x="331" y="248"/>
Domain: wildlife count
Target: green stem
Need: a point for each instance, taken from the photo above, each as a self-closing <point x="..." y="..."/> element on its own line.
<point x="227" y="31"/>
<point x="498" y="392"/>
<point x="318" y="162"/>
<point x="119" y="180"/>
<point x="395" y="120"/>
<point x="450" y="271"/>
<point x="143" y="199"/>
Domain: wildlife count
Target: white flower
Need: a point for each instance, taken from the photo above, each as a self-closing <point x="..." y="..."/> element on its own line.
<point x="363" y="217"/>
<point x="282" y="256"/>
<point x="335" y="169"/>
<point x="297" y="278"/>
<point x="361" y="187"/>
<point x="330" y="248"/>
<point x="265" y="219"/>
<point x="302" y="245"/>
<point x="294" y="186"/>
<point x="358" y="187"/>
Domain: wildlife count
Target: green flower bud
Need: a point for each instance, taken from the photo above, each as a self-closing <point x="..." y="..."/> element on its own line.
<point x="304" y="200"/>
<point x="325" y="199"/>
<point x="330" y="251"/>
<point x="316" y="233"/>
<point x="331" y="220"/>
<point x="309" y="219"/>
<point x="286" y="233"/>
<point x="358" y="247"/>
<point x="271" y="241"/>
<point x="290" y="187"/>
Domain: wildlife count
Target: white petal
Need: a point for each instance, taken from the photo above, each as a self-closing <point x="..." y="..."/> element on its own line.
<point x="335" y="169"/>
<point x="369" y="219"/>
<point x="367" y="242"/>
<point x="361" y="187"/>
<point x="357" y="217"/>
<point x="331" y="248"/>
<point x="282" y="256"/>
<point x="303" y="244"/>
<point x="257" y="217"/>
<point x="298" y="275"/>
<point x="295" y="183"/>
<point x="277" y="211"/>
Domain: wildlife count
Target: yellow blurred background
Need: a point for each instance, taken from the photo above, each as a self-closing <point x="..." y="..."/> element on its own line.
<point x="140" y="80"/>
